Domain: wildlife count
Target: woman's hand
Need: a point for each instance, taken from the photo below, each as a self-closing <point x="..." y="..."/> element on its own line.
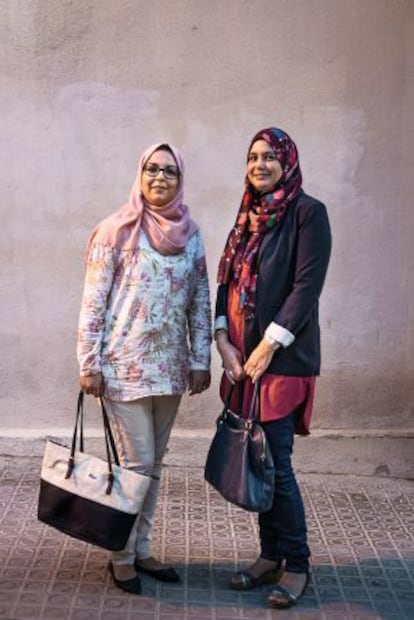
<point x="259" y="359"/>
<point x="93" y="384"/>
<point x="198" y="381"/>
<point x="231" y="357"/>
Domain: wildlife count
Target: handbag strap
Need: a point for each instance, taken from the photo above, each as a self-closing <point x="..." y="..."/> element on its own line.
<point x="111" y="451"/>
<point x="254" y="411"/>
<point x="240" y="387"/>
<point x="78" y="425"/>
<point x="108" y="433"/>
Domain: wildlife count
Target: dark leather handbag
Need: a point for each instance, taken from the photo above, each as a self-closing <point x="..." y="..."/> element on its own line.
<point x="239" y="463"/>
<point x="92" y="499"/>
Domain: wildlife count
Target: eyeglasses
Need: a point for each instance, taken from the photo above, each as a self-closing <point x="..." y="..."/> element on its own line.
<point x="169" y="172"/>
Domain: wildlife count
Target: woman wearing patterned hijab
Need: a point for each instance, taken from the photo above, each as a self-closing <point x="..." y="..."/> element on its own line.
<point x="146" y="290"/>
<point x="270" y="277"/>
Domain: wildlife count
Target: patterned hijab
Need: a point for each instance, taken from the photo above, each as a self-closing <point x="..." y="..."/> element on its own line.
<point x="168" y="228"/>
<point x="258" y="214"/>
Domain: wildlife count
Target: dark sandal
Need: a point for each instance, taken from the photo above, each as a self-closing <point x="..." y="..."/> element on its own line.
<point x="243" y="580"/>
<point x="133" y="586"/>
<point x="281" y="598"/>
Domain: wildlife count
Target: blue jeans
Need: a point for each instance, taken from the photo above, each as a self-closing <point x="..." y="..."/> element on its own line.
<point x="283" y="531"/>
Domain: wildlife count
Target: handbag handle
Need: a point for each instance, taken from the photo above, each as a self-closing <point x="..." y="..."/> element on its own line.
<point x="111" y="451"/>
<point x="254" y="404"/>
<point x="254" y="411"/>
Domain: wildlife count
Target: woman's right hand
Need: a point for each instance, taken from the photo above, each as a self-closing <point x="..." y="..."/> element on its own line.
<point x="93" y="384"/>
<point x="231" y="357"/>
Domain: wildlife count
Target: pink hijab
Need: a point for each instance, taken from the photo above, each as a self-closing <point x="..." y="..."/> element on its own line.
<point x="168" y="228"/>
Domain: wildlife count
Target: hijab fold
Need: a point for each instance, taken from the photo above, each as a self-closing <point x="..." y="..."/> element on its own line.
<point x="258" y="213"/>
<point x="168" y="228"/>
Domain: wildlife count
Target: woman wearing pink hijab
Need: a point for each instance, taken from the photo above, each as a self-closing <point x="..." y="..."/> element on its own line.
<point x="146" y="296"/>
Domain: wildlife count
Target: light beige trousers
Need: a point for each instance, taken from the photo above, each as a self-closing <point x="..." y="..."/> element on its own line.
<point x="141" y="430"/>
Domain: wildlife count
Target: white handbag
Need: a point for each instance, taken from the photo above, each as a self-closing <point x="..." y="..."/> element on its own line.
<point x="86" y="497"/>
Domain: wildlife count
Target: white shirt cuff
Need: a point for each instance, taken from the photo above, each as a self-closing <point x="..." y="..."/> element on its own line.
<point x="280" y="334"/>
<point x="221" y="323"/>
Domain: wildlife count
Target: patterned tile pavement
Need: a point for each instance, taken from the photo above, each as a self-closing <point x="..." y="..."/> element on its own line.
<point x="361" y="533"/>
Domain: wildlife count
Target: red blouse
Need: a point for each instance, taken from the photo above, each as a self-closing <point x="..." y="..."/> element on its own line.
<point x="279" y="394"/>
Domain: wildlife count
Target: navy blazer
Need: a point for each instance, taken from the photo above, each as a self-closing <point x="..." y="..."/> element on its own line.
<point x="293" y="260"/>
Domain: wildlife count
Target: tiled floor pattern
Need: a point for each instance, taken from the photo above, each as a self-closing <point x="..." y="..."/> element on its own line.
<point x="361" y="532"/>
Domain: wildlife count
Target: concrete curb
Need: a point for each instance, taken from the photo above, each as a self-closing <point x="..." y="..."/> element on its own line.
<point x="369" y="453"/>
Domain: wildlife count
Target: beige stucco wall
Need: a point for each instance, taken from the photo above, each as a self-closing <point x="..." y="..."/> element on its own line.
<point x="87" y="84"/>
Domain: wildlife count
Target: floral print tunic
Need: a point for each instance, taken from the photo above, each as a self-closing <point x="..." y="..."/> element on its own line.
<point x="145" y="319"/>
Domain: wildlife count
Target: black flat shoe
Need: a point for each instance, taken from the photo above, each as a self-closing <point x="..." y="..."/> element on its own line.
<point x="282" y="598"/>
<point x="243" y="580"/>
<point x="168" y="575"/>
<point x="133" y="586"/>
